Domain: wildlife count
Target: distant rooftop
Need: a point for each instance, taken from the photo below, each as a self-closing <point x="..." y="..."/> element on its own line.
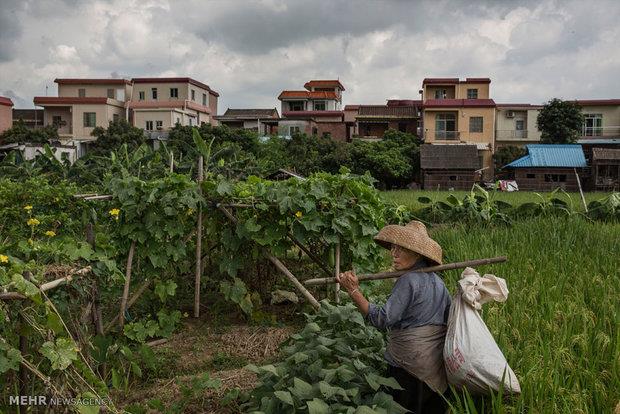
<point x="551" y="155"/>
<point x="447" y="81"/>
<point x="322" y="83"/>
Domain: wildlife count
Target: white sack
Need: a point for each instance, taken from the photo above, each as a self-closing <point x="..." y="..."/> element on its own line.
<point x="472" y="358"/>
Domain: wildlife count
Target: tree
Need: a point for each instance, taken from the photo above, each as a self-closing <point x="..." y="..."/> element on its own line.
<point x="505" y="155"/>
<point x="20" y="133"/>
<point x="114" y="136"/>
<point x="560" y="122"/>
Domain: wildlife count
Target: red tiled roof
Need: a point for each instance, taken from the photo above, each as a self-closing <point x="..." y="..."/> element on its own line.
<point x="91" y="81"/>
<point x="518" y="105"/>
<point x="351" y="107"/>
<point x="441" y="103"/>
<point x="74" y="100"/>
<point x="324" y="84"/>
<point x="403" y="102"/>
<point x="168" y="104"/>
<point x="176" y="80"/>
<point x="597" y="102"/>
<point x="306" y="114"/>
<point x="308" y="95"/>
<point x="439" y="80"/>
<point x="476" y="80"/>
<point x="6" y="101"/>
<point x="454" y="80"/>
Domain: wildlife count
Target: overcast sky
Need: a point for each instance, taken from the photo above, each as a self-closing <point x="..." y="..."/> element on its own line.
<point x="250" y="51"/>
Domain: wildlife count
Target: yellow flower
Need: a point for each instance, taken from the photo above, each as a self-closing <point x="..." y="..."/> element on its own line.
<point x="33" y="222"/>
<point x="50" y="233"/>
<point x="28" y="208"/>
<point x="298" y="214"/>
<point x="190" y="211"/>
<point x="115" y="212"/>
<point x="4" y="258"/>
<point x="30" y="241"/>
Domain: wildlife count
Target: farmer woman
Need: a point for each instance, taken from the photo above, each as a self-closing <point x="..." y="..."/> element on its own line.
<point x="415" y="316"/>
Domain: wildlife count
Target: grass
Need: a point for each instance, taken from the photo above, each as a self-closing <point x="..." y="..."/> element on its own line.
<point x="559" y="329"/>
<point x="410" y="197"/>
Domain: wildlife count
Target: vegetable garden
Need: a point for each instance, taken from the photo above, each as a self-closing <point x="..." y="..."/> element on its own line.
<point x="138" y="255"/>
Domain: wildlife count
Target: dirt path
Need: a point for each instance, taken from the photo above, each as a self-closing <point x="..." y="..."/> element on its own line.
<point x="221" y="352"/>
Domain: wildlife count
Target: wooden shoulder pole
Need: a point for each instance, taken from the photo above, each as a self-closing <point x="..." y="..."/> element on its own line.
<point x="391" y="275"/>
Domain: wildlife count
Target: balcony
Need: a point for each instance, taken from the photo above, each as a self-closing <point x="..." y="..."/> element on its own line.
<point x="608" y="131"/>
<point x="441" y="135"/>
<point x="509" y="134"/>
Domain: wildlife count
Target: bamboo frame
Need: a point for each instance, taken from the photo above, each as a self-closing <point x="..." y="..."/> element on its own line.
<point x="132" y="250"/>
<point x="391" y="275"/>
<point x="198" y="244"/>
<point x="278" y="264"/>
<point x="46" y="286"/>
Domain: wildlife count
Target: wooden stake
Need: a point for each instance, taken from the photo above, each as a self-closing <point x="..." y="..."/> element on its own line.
<point x="391" y="275"/>
<point x="583" y="199"/>
<point x="130" y="303"/>
<point x="121" y="318"/>
<point x="198" y="244"/>
<point x="337" y="272"/>
<point x="23" y="349"/>
<point x="171" y="162"/>
<point x="279" y="265"/>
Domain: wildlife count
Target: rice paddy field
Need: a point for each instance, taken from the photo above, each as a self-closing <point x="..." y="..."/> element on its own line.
<point x="410" y="197"/>
<point x="560" y="328"/>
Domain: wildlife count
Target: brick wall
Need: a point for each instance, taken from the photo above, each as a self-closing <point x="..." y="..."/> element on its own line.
<point x="337" y="130"/>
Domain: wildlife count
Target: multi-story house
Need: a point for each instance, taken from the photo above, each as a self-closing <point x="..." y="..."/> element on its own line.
<point x="369" y="122"/>
<point x="515" y="125"/>
<point x="460" y="112"/>
<point x="6" y="113"/>
<point x="602" y="118"/>
<point x="83" y="104"/>
<point x="157" y="104"/>
<point x="154" y="104"/>
<point x="314" y="111"/>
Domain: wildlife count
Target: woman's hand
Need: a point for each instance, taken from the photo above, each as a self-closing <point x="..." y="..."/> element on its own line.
<point x="348" y="281"/>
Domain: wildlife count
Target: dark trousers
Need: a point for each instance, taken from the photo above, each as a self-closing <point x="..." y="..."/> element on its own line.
<point x="417" y="397"/>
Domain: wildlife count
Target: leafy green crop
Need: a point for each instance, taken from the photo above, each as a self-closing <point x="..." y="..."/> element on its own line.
<point x="334" y="365"/>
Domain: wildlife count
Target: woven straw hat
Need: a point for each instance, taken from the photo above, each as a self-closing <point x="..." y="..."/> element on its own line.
<point x="413" y="237"/>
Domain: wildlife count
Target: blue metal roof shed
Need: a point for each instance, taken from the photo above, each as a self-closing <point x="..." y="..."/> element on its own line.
<point x="551" y="155"/>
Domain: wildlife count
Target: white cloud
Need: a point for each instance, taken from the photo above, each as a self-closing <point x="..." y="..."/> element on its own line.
<point x="250" y="51"/>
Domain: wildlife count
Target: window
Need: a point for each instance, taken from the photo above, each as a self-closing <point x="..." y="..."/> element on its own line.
<point x="191" y="121"/>
<point x="90" y="119"/>
<point x="320" y="105"/>
<point x="82" y="93"/>
<point x="193" y="95"/>
<point x="174" y="92"/>
<point x="178" y="120"/>
<point x="296" y="106"/>
<point x="294" y="130"/>
<point x="141" y="95"/>
<point x="402" y="126"/>
<point x="154" y="93"/>
<point x="204" y="99"/>
<point x="593" y="125"/>
<point x="445" y="126"/>
<point x="159" y="124"/>
<point x="115" y="117"/>
<point x="475" y="124"/>
<point x="56" y="120"/>
<point x="555" y="178"/>
<point x="111" y="93"/>
<point x="149" y="125"/>
<point x="472" y="93"/>
<point x="440" y="94"/>
<point x="315" y="131"/>
<point x="519" y="124"/>
<point x="530" y="176"/>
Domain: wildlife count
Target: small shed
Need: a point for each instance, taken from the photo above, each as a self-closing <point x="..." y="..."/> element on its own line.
<point x="449" y="166"/>
<point x="606" y="169"/>
<point x="546" y="167"/>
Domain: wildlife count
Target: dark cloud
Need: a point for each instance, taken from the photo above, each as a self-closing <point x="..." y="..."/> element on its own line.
<point x="10" y="29"/>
